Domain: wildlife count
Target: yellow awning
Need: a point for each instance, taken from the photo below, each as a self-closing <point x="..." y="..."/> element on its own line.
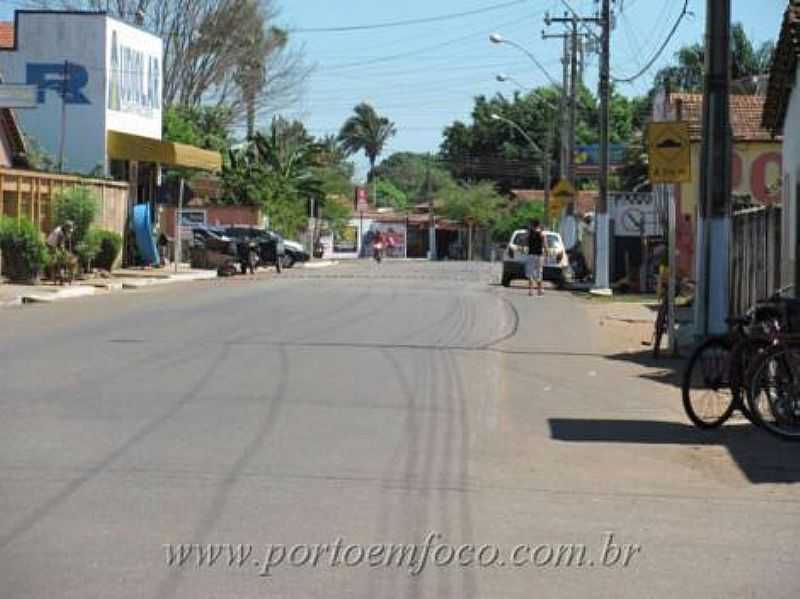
<point x="124" y="146"/>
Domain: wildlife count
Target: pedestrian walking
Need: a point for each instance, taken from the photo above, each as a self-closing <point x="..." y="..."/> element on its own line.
<point x="534" y="262"/>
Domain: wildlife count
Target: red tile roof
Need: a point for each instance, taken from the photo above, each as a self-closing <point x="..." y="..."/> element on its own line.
<point x="746" y="115"/>
<point x="6" y="34"/>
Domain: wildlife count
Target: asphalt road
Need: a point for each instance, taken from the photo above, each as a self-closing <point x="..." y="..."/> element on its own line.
<point x="357" y="407"/>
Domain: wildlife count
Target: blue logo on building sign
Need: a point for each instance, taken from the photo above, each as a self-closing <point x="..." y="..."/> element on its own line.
<point x="66" y="79"/>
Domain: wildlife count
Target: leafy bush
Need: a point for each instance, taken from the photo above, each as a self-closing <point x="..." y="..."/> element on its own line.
<point x="79" y="205"/>
<point x="88" y="248"/>
<point x="24" y="251"/>
<point x="110" y="247"/>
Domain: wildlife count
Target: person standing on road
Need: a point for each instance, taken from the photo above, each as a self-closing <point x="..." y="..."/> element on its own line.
<point x="534" y="263"/>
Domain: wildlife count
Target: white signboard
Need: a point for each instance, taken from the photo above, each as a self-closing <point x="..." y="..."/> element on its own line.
<point x="17" y="95"/>
<point x="134" y="75"/>
<point x="636" y="215"/>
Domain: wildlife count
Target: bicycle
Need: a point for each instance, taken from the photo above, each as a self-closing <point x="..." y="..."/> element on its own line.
<point x="717" y="376"/>
<point x="773" y="395"/>
<point x="662" y="317"/>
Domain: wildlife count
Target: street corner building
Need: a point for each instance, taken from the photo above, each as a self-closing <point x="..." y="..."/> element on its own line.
<point x="99" y="88"/>
<point x="756" y="164"/>
<point x="781" y="117"/>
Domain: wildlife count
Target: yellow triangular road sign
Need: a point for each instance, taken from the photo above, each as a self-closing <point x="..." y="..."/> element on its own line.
<point x="563" y="189"/>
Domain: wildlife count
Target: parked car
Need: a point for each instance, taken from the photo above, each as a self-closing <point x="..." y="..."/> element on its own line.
<point x="294" y="253"/>
<point x="211" y="248"/>
<point x="556" y="262"/>
<point x="271" y="250"/>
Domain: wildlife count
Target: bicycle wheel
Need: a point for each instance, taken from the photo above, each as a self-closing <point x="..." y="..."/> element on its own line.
<point x="707" y="395"/>
<point x="774" y="392"/>
<point x="744" y="354"/>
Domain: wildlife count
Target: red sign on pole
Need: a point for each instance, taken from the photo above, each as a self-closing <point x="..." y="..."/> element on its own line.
<point x="362" y="205"/>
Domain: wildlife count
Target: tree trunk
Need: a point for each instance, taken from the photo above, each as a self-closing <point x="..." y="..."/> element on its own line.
<point x="469" y="243"/>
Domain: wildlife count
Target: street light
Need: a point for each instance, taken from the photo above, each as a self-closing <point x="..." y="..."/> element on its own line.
<point x="496" y="38"/>
<point x="496" y="117"/>
<point x="545" y="159"/>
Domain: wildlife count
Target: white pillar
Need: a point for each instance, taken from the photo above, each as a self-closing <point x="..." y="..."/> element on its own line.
<point x="602" y="256"/>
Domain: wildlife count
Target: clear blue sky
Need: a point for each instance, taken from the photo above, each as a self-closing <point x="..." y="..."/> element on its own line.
<point x="424" y="76"/>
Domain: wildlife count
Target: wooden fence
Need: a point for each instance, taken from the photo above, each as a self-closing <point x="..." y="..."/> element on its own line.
<point x="755" y="256"/>
<point x="30" y="194"/>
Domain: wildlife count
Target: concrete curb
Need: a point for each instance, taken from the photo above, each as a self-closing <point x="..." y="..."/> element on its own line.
<point x="102" y="287"/>
<point x="320" y="264"/>
<point x="62" y="294"/>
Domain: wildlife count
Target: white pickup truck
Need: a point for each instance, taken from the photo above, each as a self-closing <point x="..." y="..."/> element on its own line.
<point x="556" y="263"/>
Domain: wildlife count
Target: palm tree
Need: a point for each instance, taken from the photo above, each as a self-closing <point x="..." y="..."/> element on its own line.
<point x="368" y="131"/>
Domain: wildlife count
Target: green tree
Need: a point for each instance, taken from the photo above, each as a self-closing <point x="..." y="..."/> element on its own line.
<point x="391" y="196"/>
<point x="275" y="170"/>
<point x="475" y="204"/>
<point x="409" y="173"/>
<point x="366" y="131"/>
<point x="206" y="127"/>
<point x="747" y="61"/>
<point x="487" y="149"/>
<point x="518" y="217"/>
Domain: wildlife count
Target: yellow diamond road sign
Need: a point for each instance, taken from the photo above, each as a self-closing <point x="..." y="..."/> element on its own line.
<point x="563" y="189"/>
<point x="669" y="152"/>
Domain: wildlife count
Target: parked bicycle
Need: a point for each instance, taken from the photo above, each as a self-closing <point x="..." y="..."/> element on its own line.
<point x="774" y="379"/>
<point x="683" y="288"/>
<point x="717" y="377"/>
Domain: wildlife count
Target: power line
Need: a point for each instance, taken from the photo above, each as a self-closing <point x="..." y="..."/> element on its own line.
<point x="660" y="51"/>
<point x="421" y="50"/>
<point x="388" y="24"/>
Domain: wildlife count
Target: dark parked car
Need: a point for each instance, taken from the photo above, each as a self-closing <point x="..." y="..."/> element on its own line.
<point x="295" y="252"/>
<point x="271" y="250"/>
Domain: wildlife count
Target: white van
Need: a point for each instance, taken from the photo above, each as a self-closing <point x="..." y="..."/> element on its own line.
<point x="556" y="263"/>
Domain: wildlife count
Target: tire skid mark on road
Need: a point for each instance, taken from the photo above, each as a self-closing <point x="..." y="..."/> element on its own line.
<point x="406" y="446"/>
<point x="169" y="586"/>
<point x="342" y="310"/>
<point x="455" y="381"/>
<point x="443" y="580"/>
<point x="142" y="433"/>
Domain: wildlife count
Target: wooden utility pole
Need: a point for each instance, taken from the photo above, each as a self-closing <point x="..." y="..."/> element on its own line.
<point x="572" y="76"/>
<point x="714" y="222"/>
<point x="564" y="161"/>
<point x="602" y="229"/>
<point x="431" y="216"/>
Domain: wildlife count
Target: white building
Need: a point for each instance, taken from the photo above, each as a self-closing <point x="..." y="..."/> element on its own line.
<point x="782" y="117"/>
<point x="95" y="76"/>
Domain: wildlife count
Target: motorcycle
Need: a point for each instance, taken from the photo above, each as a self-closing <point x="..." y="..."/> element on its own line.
<point x="377" y="251"/>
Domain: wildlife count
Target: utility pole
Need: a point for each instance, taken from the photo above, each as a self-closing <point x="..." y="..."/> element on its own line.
<point x="572" y="43"/>
<point x="602" y="230"/>
<point x="431" y="218"/>
<point x="714" y="222"/>
<point x="564" y="161"/>
<point x="548" y="148"/>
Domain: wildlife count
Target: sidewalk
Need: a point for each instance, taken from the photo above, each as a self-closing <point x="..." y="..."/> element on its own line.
<point x="126" y="278"/>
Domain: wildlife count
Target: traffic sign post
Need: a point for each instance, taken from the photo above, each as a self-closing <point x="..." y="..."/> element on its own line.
<point x="669" y="152"/>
